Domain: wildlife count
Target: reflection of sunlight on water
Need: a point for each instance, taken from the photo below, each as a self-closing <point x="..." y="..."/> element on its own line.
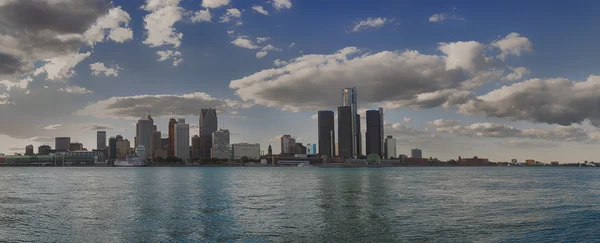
<point x="298" y="204"/>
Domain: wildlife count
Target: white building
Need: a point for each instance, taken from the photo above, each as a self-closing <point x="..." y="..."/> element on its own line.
<point x="252" y="151"/>
<point x="140" y="150"/>
<point x="182" y="140"/>
<point x="390" y="147"/>
<point x="220" y="144"/>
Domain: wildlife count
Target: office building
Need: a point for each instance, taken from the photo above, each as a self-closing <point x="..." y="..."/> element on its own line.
<point x="221" y="147"/>
<point x="182" y="140"/>
<point x="416" y="153"/>
<point x="156" y="143"/>
<point x="381" y="131"/>
<point x="75" y="146"/>
<point x="298" y="148"/>
<point x="171" y="145"/>
<point x="144" y="134"/>
<point x="270" y="151"/>
<point x="44" y="150"/>
<point x="112" y="148"/>
<point x="373" y="135"/>
<point x="62" y="143"/>
<point x="390" y="147"/>
<point x="29" y="150"/>
<point x="207" y="126"/>
<point x="239" y="150"/>
<point x="475" y="161"/>
<point x="101" y="140"/>
<point x="349" y="98"/>
<point x="164" y="144"/>
<point x="326" y="132"/>
<point x="140" y="151"/>
<point x="196" y="141"/>
<point x="345" y="133"/>
<point x="287" y="144"/>
<point x="122" y="148"/>
<point x="358" y="136"/>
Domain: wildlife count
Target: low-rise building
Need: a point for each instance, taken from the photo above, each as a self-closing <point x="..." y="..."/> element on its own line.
<point x="530" y="162"/>
<point x="475" y="161"/>
<point x="252" y="151"/>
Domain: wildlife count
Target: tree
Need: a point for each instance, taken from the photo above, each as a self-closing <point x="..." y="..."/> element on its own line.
<point x="245" y="159"/>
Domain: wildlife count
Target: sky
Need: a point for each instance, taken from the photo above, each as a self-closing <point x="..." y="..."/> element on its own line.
<point x="499" y="80"/>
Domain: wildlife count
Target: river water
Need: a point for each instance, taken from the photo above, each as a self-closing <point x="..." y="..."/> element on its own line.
<point x="485" y="204"/>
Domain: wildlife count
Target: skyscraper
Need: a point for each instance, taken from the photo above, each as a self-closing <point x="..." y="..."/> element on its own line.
<point x="44" y="150"/>
<point x="144" y="135"/>
<point x="156" y="145"/>
<point x="381" y="129"/>
<point x="101" y="140"/>
<point x="62" y="143"/>
<point x="345" y="149"/>
<point x="182" y="140"/>
<point x="373" y="138"/>
<point x="390" y="147"/>
<point x="326" y="133"/>
<point x="221" y="145"/>
<point x="29" y="150"/>
<point x="112" y="148"/>
<point x="287" y="144"/>
<point x="350" y="99"/>
<point x="171" y="146"/>
<point x="208" y="124"/>
<point x="75" y="146"/>
<point x="416" y="153"/>
<point x="196" y="147"/>
<point x="358" y="136"/>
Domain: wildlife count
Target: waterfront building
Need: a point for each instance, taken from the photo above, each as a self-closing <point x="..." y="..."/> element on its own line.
<point x="140" y="151"/>
<point x="252" y="151"/>
<point x="75" y="146"/>
<point x="530" y="162"/>
<point x="416" y="153"/>
<point x="101" y="140"/>
<point x="44" y="150"/>
<point x="359" y="136"/>
<point x="144" y="133"/>
<point x="349" y="99"/>
<point x="122" y="148"/>
<point x="156" y="142"/>
<point x="287" y="144"/>
<point x="390" y="147"/>
<point x="62" y="143"/>
<point x="164" y="144"/>
<point x="382" y="131"/>
<point x="171" y="144"/>
<point x="221" y="147"/>
<point x="196" y="148"/>
<point x="112" y="148"/>
<point x="473" y="161"/>
<point x="345" y="133"/>
<point x="29" y="150"/>
<point x="298" y="148"/>
<point x="182" y="140"/>
<point x="326" y="120"/>
<point x="373" y="135"/>
<point x="270" y="151"/>
<point x="207" y="126"/>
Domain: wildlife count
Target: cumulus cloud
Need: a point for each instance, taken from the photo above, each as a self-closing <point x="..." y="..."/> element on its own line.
<point x="260" y="10"/>
<point x="244" y="43"/>
<point x="202" y="16"/>
<point x="113" y="26"/>
<point x="407" y="119"/>
<point x="369" y="23"/>
<point x="292" y="45"/>
<point x="517" y="74"/>
<point x="493" y="130"/>
<point x="214" y="3"/>
<point x="265" y="50"/>
<point x="158" y="105"/>
<point x="61" y="67"/>
<point x="262" y="39"/>
<point x="99" y="68"/>
<point x="465" y="55"/>
<point x="22" y="84"/>
<point x="75" y="89"/>
<point x="231" y="14"/>
<point x="159" y="23"/>
<point x="281" y="4"/>
<point x="513" y="44"/>
<point x="554" y="101"/>
<point x="175" y="56"/>
<point x="436" y="18"/>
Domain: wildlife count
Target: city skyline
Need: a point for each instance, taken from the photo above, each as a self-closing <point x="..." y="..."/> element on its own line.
<point x="513" y="84"/>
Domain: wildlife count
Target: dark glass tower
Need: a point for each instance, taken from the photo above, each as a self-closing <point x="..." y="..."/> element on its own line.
<point x="345" y="132"/>
<point x="326" y="133"/>
<point x="373" y="136"/>
<point x="208" y="124"/>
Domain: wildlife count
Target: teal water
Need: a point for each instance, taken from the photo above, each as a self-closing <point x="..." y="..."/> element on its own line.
<point x="488" y="204"/>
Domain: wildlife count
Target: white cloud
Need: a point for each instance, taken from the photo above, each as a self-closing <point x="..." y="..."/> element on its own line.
<point x="513" y="44"/>
<point x="99" y="68"/>
<point x="262" y="39"/>
<point x="292" y="45"/>
<point x="265" y="50"/>
<point x="260" y="9"/>
<point x="115" y="24"/>
<point x="158" y="105"/>
<point x="22" y="84"/>
<point x="52" y="127"/>
<point x="170" y="54"/>
<point x="465" y="55"/>
<point x="517" y="74"/>
<point x="281" y="4"/>
<point x="231" y="14"/>
<point x="159" y="23"/>
<point x="244" y="43"/>
<point x="75" y="89"/>
<point x="369" y="23"/>
<point x="214" y="3"/>
<point x="61" y="67"/>
<point x="442" y="17"/>
<point x="407" y="119"/>
<point x="202" y="16"/>
<point x="278" y="63"/>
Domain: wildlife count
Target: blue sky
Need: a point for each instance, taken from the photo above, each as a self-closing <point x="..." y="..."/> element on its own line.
<point x="414" y="58"/>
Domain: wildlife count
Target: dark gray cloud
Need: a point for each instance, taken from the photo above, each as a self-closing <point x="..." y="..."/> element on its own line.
<point x="96" y="127"/>
<point x="553" y="101"/>
<point x="9" y="64"/>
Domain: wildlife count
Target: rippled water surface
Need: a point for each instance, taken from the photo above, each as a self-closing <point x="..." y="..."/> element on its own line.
<point x="299" y="204"/>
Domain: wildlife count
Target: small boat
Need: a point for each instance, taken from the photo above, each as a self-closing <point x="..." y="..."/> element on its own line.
<point x="131" y="162"/>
